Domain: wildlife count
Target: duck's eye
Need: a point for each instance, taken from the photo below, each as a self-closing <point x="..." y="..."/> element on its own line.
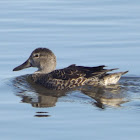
<point x="36" y="55"/>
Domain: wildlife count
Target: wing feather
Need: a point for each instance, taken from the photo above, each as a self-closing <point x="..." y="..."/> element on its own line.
<point x="73" y="72"/>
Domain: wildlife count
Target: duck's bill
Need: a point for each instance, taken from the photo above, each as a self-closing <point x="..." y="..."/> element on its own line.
<point x="26" y="64"/>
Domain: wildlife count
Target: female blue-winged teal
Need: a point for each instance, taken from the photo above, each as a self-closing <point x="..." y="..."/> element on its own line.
<point x="69" y="77"/>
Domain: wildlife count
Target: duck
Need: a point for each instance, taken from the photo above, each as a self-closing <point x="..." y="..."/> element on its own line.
<point x="66" y="78"/>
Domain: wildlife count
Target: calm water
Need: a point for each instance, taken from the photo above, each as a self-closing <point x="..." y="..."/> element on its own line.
<point x="89" y="33"/>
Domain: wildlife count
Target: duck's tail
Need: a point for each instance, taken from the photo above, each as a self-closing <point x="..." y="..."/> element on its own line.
<point x="112" y="78"/>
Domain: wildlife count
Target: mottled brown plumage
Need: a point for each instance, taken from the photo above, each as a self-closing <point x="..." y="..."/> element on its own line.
<point x="70" y="77"/>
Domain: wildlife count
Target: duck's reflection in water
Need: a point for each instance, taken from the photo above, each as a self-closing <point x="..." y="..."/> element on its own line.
<point x="113" y="95"/>
<point x="39" y="96"/>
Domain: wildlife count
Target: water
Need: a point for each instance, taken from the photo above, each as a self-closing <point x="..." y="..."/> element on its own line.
<point x="79" y="32"/>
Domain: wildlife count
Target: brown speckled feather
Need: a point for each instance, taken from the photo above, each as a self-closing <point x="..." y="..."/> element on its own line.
<point x="70" y="77"/>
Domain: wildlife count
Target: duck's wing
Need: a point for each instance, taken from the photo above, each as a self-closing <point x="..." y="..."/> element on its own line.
<point x="73" y="72"/>
<point x="70" y="77"/>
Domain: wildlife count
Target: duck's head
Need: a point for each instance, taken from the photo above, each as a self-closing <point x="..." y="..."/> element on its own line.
<point x="42" y="58"/>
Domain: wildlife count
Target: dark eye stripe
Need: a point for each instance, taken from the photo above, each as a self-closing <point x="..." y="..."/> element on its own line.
<point x="36" y="55"/>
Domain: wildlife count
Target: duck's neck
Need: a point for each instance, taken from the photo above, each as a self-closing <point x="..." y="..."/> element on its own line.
<point x="44" y="71"/>
<point x="47" y="68"/>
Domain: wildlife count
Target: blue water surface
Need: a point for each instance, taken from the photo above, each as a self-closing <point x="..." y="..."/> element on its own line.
<point x="89" y="33"/>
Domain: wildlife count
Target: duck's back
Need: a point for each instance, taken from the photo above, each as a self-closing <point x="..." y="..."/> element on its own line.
<point x="74" y="76"/>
